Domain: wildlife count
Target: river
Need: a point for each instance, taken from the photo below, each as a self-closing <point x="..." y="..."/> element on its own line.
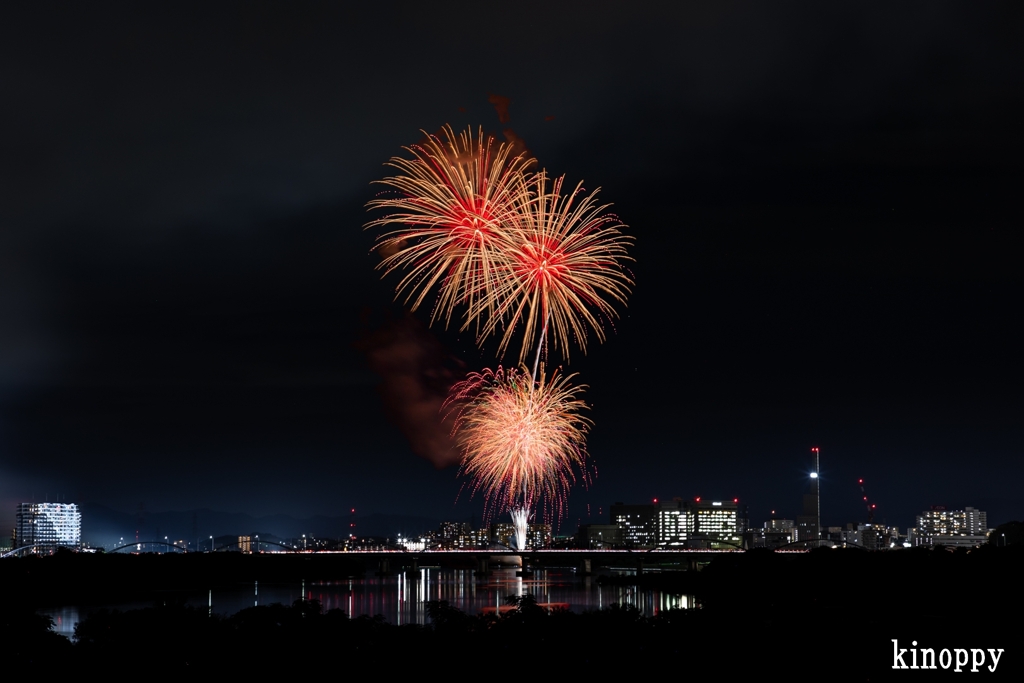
<point x="401" y="598"/>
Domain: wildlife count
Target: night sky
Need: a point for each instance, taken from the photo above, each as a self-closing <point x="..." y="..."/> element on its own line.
<point x="825" y="202"/>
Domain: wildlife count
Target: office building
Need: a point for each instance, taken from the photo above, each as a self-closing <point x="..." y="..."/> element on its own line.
<point x="48" y="525"/>
<point x="636" y="524"/>
<point x="677" y="524"/>
<point x="673" y="523"/>
<point x="715" y="523"/>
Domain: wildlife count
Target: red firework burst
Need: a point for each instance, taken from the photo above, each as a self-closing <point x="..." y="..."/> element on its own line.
<point x="563" y="268"/>
<point x="456" y="196"/>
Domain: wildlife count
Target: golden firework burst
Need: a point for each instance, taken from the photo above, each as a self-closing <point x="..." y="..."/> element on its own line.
<point x="523" y="443"/>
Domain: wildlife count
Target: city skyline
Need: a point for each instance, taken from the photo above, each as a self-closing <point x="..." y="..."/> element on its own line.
<point x="664" y="523"/>
<point x="823" y="206"/>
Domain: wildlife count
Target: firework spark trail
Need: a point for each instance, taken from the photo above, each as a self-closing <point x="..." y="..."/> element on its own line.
<point x="522" y="441"/>
<point x="520" y="522"/>
<point x="563" y="269"/>
<point x="456" y="196"/>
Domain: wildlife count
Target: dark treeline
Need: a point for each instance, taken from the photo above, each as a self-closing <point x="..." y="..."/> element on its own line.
<point x="824" y="615"/>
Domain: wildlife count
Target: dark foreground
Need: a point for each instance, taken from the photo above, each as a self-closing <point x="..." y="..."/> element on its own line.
<point x="826" y="615"/>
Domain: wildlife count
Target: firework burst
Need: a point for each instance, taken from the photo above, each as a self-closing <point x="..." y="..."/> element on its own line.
<point x="445" y="230"/>
<point x="522" y="441"/>
<point x="563" y="269"/>
<point x="516" y="254"/>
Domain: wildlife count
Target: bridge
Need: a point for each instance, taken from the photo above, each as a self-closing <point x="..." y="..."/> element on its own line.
<point x="585" y="561"/>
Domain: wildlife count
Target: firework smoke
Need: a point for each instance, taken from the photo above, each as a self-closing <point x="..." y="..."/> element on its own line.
<point x="416" y="374"/>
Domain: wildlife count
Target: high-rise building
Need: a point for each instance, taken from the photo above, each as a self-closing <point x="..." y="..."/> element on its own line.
<point x="673" y="523"/>
<point x="48" y="525"/>
<point x="679" y="523"/>
<point x="449" y="531"/>
<point x="715" y="522"/>
<point x="939" y="526"/>
<point x="808" y="524"/>
<point x="975" y="522"/>
<point x="470" y="539"/>
<point x="502" y="533"/>
<point x="538" y="536"/>
<point x="636" y="524"/>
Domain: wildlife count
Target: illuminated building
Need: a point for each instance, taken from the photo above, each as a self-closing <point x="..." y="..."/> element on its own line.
<point x="953" y="528"/>
<point x="942" y="522"/>
<point x="674" y="523"/>
<point x="715" y="523"/>
<point x="48" y="525"/>
<point x="538" y="536"/>
<point x="872" y="536"/>
<point x="679" y="523"/>
<point x="779" y="525"/>
<point x="502" y="532"/>
<point x="472" y="538"/>
<point x="776" y="533"/>
<point x="636" y="524"/>
<point x="245" y="544"/>
<point x="452" y="535"/>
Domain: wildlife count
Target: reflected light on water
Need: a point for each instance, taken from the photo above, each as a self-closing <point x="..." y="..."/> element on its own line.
<point x="402" y="598"/>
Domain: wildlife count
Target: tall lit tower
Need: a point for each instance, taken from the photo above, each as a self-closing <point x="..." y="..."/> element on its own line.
<point x="809" y="523"/>
<point x="815" y="487"/>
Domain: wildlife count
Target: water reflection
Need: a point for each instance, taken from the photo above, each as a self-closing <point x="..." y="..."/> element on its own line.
<point x="402" y="598"/>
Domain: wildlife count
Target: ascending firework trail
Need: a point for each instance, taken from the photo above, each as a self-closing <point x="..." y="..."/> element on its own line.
<point x="504" y="245"/>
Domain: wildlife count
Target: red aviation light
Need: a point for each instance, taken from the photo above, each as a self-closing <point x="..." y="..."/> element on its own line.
<point x="697" y="499"/>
